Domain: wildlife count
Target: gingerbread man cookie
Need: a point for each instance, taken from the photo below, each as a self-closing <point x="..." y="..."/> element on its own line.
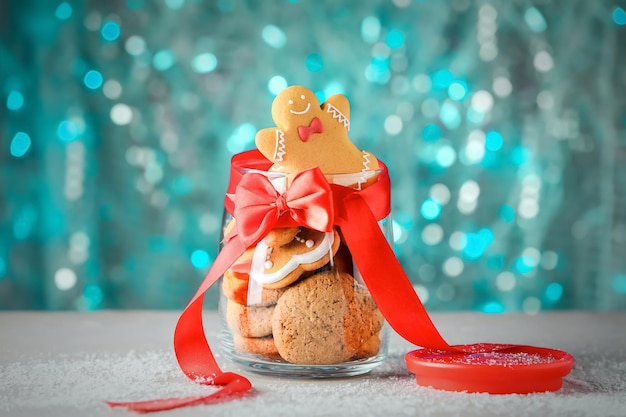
<point x="309" y="135"/>
<point x="275" y="237"/>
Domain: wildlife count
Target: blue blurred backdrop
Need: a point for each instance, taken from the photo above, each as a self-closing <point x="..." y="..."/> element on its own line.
<point x="503" y="123"/>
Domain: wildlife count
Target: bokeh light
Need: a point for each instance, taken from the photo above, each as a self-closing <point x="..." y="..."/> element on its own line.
<point x="457" y="90"/>
<point x="535" y="20"/>
<point x="135" y="45"/>
<point x="370" y="29"/>
<point x="394" y="39"/>
<point x="242" y="138"/>
<point x="20" y="144"/>
<point x="93" y="79"/>
<point x="63" y="11"/>
<point x="163" y="60"/>
<point x="619" y="283"/>
<point x="430" y="209"/>
<point x="15" y="100"/>
<point x="274" y="36"/>
<point x="314" y="62"/>
<point x="174" y="4"/>
<point x="200" y="258"/>
<point x="65" y="279"/>
<point x="67" y="131"/>
<point x="619" y="16"/>
<point x="204" y="63"/>
<point x="493" y="140"/>
<point x="277" y="84"/>
<point x="110" y="30"/>
<point x="121" y="114"/>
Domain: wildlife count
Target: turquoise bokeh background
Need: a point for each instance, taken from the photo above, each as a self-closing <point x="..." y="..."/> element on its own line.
<point x="503" y="124"/>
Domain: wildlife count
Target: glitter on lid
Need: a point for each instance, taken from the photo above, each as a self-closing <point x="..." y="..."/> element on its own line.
<point x="492" y="368"/>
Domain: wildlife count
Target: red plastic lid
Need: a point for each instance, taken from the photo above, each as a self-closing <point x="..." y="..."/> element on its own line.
<point x="491" y="368"/>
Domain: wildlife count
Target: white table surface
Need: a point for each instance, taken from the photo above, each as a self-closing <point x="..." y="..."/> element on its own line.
<point x="66" y="364"/>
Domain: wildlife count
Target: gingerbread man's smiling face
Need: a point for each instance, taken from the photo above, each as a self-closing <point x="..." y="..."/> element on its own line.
<point x="306" y="109"/>
<point x="295" y="106"/>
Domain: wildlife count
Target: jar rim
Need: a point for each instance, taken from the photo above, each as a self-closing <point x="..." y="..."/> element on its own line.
<point x="347" y="179"/>
<point x="248" y="170"/>
<point x="254" y="162"/>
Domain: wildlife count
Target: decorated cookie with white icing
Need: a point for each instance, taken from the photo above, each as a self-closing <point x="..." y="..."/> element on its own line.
<point x="279" y="266"/>
<point x="309" y="135"/>
<point x="275" y="237"/>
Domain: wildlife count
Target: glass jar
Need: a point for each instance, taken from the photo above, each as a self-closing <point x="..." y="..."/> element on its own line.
<point x="295" y="304"/>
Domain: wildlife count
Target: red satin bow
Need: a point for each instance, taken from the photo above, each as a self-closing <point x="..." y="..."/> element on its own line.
<point x="315" y="126"/>
<point x="258" y="206"/>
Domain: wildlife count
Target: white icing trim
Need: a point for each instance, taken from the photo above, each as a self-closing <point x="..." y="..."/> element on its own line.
<point x="358" y="178"/>
<point x="258" y="260"/>
<point x="308" y="107"/>
<point x="366" y="161"/>
<point x="255" y="293"/>
<point x="341" y="118"/>
<point x="279" y="148"/>
<point x="366" y="168"/>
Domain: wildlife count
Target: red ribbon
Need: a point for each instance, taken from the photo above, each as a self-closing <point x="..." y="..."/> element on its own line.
<point x="256" y="203"/>
<point x="258" y="206"/>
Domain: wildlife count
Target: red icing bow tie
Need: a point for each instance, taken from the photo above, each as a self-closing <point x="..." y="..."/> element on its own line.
<point x="315" y="126"/>
<point x="259" y="207"/>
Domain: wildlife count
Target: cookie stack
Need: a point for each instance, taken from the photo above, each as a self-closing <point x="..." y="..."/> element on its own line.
<point x="302" y="305"/>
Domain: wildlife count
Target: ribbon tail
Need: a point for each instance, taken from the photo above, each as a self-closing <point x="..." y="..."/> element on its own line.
<point x="232" y="390"/>
<point x="385" y="278"/>
<point x="192" y="350"/>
